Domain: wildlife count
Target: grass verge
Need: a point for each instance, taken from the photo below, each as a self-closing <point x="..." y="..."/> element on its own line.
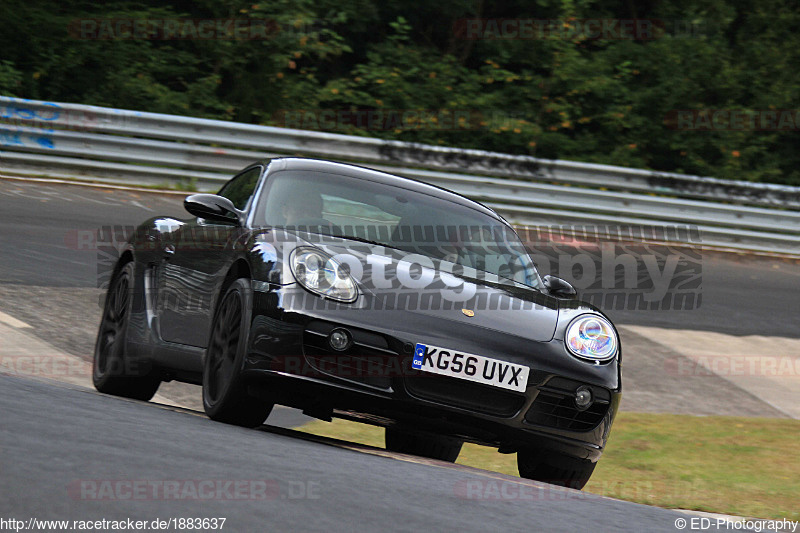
<point x="740" y="466"/>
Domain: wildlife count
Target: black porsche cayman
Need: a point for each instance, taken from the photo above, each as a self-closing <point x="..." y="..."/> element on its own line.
<point x="352" y="293"/>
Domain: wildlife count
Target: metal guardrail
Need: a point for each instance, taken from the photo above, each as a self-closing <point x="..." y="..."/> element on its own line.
<point x="78" y="141"/>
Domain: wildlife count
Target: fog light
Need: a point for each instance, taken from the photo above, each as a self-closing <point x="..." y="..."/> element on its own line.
<point x="339" y="339"/>
<point x="583" y="397"/>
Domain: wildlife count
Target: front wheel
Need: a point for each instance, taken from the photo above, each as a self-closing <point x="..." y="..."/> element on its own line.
<point x="425" y="445"/>
<point x="553" y="468"/>
<point x="113" y="370"/>
<point x="225" y="397"/>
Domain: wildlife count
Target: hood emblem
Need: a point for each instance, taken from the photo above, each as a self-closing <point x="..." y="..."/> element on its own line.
<point x="468" y="312"/>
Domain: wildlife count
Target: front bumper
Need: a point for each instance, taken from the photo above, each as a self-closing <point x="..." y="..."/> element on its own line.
<point x="290" y="361"/>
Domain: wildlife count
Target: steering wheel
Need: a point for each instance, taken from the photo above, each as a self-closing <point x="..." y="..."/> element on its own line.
<point x="312" y="221"/>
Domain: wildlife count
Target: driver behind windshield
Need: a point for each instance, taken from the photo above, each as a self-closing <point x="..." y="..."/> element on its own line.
<point x="303" y="210"/>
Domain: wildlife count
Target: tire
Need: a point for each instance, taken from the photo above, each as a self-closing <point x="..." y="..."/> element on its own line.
<point x="555" y="469"/>
<point x="225" y="397"/>
<point x="424" y="445"/>
<point x="112" y="368"/>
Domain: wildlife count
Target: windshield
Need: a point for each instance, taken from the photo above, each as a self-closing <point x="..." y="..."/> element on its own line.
<point x="396" y="217"/>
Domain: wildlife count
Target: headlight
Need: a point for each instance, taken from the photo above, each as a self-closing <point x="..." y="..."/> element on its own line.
<point x="592" y="337"/>
<point x="321" y="274"/>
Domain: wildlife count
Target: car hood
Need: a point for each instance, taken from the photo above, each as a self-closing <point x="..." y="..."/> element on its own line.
<point x="472" y="298"/>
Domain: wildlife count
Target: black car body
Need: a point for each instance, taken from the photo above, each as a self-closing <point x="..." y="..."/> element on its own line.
<point x="215" y="300"/>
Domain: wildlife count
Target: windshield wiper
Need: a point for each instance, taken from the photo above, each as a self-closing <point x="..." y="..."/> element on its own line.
<point x="362" y="239"/>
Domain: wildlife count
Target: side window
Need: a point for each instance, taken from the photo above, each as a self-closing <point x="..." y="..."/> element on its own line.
<point x="241" y="188"/>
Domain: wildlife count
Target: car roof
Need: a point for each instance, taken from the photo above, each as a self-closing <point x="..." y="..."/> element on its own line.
<point x="346" y="169"/>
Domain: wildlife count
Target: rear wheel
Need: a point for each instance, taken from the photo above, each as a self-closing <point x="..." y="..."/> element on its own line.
<point x="225" y="397"/>
<point x="113" y="370"/>
<point x="425" y="445"/>
<point x="555" y="469"/>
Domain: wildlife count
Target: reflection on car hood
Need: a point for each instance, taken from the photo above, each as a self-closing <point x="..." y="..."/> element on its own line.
<point x="397" y="280"/>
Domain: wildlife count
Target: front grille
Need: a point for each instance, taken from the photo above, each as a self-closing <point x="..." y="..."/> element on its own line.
<point x="467" y="395"/>
<point x="370" y="360"/>
<point x="555" y="407"/>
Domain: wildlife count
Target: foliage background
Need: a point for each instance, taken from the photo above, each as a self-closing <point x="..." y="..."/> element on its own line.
<point x="602" y="101"/>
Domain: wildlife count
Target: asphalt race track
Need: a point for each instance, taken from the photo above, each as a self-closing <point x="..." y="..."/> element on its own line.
<point x="63" y="448"/>
<point x="75" y="455"/>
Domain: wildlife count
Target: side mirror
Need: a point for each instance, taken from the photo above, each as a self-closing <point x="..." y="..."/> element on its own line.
<point x="212" y="207"/>
<point x="559" y="288"/>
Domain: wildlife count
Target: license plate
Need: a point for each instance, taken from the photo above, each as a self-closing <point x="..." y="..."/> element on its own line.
<point x="470" y="367"/>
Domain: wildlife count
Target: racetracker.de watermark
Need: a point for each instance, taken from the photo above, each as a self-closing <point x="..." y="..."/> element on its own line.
<point x="45" y="366"/>
<point x="734" y="365"/>
<point x="64" y="368"/>
<point x="499" y="490"/>
<point x="528" y="29"/>
<point x="396" y="119"/>
<point x="181" y="29"/>
<point x="193" y="489"/>
<point x="733" y="119"/>
<point x="175" y="523"/>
